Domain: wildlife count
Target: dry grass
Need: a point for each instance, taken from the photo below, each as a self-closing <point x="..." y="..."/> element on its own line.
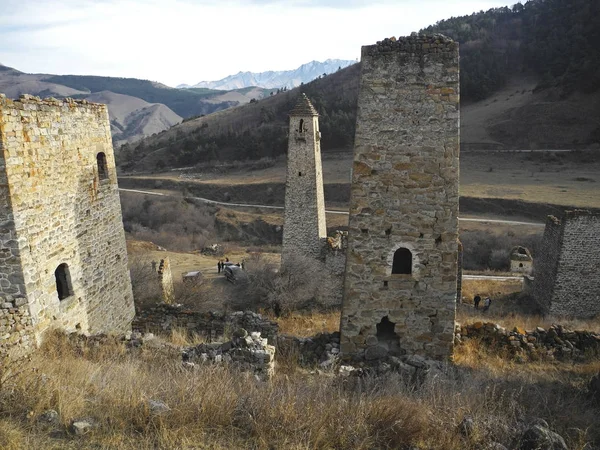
<point x="492" y="288"/>
<point x="309" y="324"/>
<point x="213" y="407"/>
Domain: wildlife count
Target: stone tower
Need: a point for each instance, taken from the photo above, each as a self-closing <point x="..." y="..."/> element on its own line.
<point x="566" y="270"/>
<point x="63" y="261"/>
<point x="304" y="222"/>
<point x="401" y="271"/>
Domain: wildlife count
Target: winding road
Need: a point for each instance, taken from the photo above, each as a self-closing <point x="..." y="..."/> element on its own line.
<point x="328" y="211"/>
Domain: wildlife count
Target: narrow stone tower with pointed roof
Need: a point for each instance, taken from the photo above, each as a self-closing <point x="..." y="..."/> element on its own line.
<point x="304" y="225"/>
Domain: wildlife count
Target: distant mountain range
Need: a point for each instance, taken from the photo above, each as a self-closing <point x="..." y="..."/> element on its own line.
<point x="137" y="108"/>
<point x="275" y="79"/>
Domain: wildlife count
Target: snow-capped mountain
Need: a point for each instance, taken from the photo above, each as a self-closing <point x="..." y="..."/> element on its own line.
<point x="275" y="79"/>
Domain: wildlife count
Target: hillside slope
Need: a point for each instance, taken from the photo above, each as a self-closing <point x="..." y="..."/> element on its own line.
<point x="529" y="80"/>
<point x="132" y="118"/>
<point x="137" y="108"/>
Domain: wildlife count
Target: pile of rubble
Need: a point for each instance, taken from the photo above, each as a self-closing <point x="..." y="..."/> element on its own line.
<point x="555" y="342"/>
<point x="245" y="352"/>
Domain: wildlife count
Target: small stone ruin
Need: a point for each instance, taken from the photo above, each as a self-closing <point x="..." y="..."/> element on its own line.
<point x="245" y="352"/>
<point x="521" y="260"/>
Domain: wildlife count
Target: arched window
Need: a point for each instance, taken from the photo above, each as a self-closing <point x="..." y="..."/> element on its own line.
<point x="63" y="281"/>
<point x="301" y="127"/>
<point x="402" y="261"/>
<point x="102" y="167"/>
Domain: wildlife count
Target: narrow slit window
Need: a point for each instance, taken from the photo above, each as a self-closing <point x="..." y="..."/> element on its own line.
<point x="102" y="167"/>
<point x="63" y="281"/>
<point x="301" y="127"/>
<point x="402" y="262"/>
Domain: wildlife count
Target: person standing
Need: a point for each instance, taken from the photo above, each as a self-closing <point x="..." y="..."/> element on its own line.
<point x="219" y="266"/>
<point x="476" y="301"/>
<point x="487" y="303"/>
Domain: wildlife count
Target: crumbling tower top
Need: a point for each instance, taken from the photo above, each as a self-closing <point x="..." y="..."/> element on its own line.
<point x="303" y="107"/>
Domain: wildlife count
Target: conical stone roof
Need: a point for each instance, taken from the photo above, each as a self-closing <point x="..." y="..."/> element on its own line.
<point x="304" y="107"/>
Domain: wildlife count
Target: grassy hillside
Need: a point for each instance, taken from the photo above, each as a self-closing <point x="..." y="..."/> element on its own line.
<point x="184" y="102"/>
<point x="530" y="78"/>
<point x="254" y="130"/>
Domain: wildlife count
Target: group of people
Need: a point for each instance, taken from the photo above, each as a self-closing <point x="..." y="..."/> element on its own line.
<point x="221" y="264"/>
<point x="486" y="303"/>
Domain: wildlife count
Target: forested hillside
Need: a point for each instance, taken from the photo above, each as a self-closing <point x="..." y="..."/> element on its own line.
<point x="552" y="44"/>
<point x="557" y="40"/>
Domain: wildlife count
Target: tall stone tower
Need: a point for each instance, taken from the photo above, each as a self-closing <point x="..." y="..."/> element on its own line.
<point x="304" y="223"/>
<point x="401" y="271"/>
<point x="63" y="261"/>
<point x="566" y="270"/>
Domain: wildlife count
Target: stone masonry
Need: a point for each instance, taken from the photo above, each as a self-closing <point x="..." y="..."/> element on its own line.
<point x="566" y="271"/>
<point x="304" y="218"/>
<point x="63" y="261"/>
<point x="401" y="271"/>
<point x="165" y="279"/>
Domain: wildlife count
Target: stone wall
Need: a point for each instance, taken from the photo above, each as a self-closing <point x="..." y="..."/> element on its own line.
<point x="304" y="215"/>
<point x="165" y="318"/>
<point x="165" y="279"/>
<point x="61" y="216"/>
<point x="404" y="197"/>
<point x="556" y="342"/>
<point x="566" y="271"/>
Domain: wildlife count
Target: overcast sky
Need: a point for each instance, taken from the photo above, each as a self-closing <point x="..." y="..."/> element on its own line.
<point x="187" y="41"/>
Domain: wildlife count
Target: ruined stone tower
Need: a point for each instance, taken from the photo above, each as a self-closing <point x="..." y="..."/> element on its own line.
<point x="63" y="261"/>
<point x="566" y="270"/>
<point x="304" y="223"/>
<point x="401" y="271"/>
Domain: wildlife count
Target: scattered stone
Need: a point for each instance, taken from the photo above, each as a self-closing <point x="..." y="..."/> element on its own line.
<point x="82" y="426"/>
<point x="375" y="352"/>
<point x="466" y="426"/>
<point x="157" y="407"/>
<point x="49" y="416"/>
<point x="541" y="438"/>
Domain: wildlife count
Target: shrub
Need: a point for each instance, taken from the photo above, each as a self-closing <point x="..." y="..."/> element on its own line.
<point x="301" y="284"/>
<point x="169" y="222"/>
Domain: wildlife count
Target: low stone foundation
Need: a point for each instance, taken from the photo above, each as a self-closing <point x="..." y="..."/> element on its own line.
<point x="212" y="325"/>
<point x="245" y="352"/>
<point x="322" y="349"/>
<point x="556" y="342"/>
<point x="17" y="337"/>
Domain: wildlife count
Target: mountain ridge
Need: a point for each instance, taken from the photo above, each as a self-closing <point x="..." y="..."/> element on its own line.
<point x="273" y="79"/>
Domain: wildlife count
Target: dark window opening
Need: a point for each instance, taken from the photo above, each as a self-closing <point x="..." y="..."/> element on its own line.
<point x="388" y="231"/>
<point x="402" y="261"/>
<point x="385" y="284"/>
<point x="364" y="230"/>
<point x="301" y="127"/>
<point x="299" y="174"/>
<point x="520" y="264"/>
<point x="102" y="167"/>
<point x="522" y="251"/>
<point x="63" y="281"/>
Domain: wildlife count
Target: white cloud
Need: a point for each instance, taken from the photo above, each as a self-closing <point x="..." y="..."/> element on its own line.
<point x="188" y="41"/>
